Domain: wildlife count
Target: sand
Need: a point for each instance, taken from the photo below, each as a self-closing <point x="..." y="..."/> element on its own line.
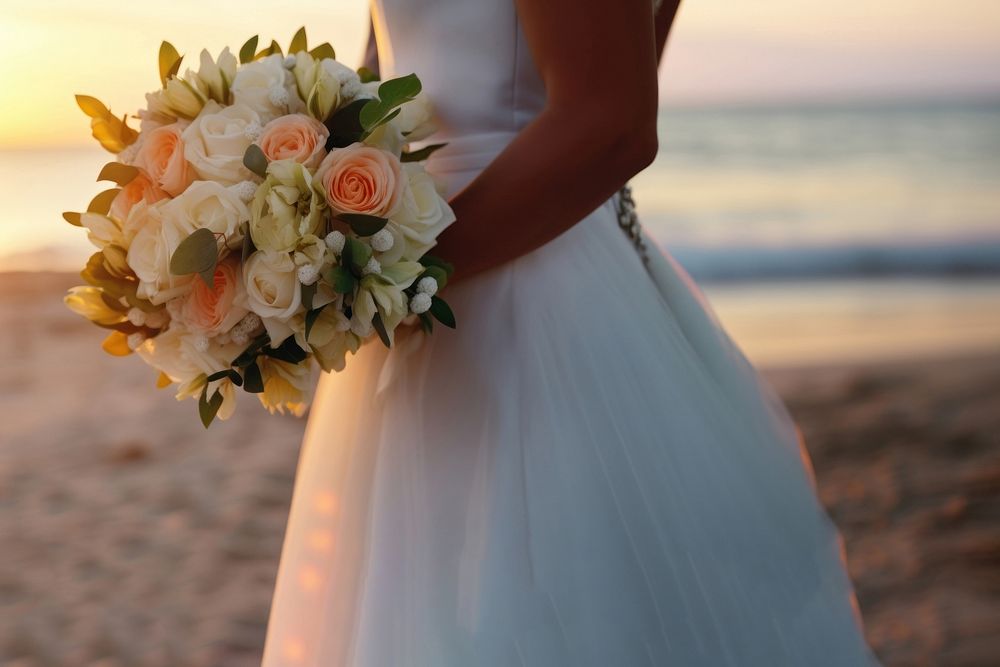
<point x="133" y="537"/>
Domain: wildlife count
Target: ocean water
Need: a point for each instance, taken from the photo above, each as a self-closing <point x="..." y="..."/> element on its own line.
<point x="818" y="233"/>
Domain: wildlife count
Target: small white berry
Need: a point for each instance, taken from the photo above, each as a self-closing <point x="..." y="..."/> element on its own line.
<point x="420" y="303"/>
<point x="382" y="240"/>
<point x="240" y="338"/>
<point x="278" y="96"/>
<point x="253" y="130"/>
<point x="427" y="285"/>
<point x="245" y="190"/>
<point x="373" y="266"/>
<point x="308" y="274"/>
<point x="134" y="340"/>
<point x="289" y="61"/>
<point x="335" y="241"/>
<point x="136" y="317"/>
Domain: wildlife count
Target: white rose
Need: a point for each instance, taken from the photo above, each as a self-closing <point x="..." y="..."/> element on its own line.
<point x="273" y="291"/>
<point x="422" y="213"/>
<point x="267" y="87"/>
<point x="149" y="257"/>
<point x="216" y="140"/>
<point x="415" y="119"/>
<point x="209" y="205"/>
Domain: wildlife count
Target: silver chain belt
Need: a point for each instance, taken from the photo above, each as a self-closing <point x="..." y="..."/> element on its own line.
<point x="628" y="220"/>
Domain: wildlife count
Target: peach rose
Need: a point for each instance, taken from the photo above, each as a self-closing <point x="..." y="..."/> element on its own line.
<point x="162" y="157"/>
<point x="294" y="137"/>
<point x="361" y="179"/>
<point x="216" y="310"/>
<point x="140" y="188"/>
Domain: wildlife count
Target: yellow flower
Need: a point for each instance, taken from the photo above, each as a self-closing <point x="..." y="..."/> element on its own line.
<point x="89" y="302"/>
<point x="286" y="386"/>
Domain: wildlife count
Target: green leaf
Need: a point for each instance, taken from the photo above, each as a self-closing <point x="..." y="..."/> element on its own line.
<point x="442" y="311"/>
<point x="122" y="174"/>
<point x="344" y="125"/>
<point x="208" y="408"/>
<point x="270" y="50"/>
<point x="198" y="253"/>
<point x="288" y="351"/>
<point x="248" y="246"/>
<point x="72" y="218"/>
<point x="298" y="42"/>
<point x="420" y="155"/>
<point x="233" y="376"/>
<point x="248" y="50"/>
<point x="253" y="383"/>
<point x="102" y="202"/>
<point x="342" y="280"/>
<point x="380" y="329"/>
<point x="308" y="292"/>
<point x="432" y="260"/>
<point x="361" y="224"/>
<point x="247" y="356"/>
<point x="357" y="253"/>
<point x="366" y="75"/>
<point x="255" y="160"/>
<point x="323" y="51"/>
<point x="170" y="61"/>
<point x="311" y="318"/>
<point x="391" y="94"/>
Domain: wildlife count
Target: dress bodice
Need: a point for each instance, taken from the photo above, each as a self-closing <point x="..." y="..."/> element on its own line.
<point x="474" y="63"/>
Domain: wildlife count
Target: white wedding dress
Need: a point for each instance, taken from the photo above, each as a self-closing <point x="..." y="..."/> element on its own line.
<point x="586" y="473"/>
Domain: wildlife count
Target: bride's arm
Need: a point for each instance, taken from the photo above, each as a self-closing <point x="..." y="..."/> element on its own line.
<point x="597" y="59"/>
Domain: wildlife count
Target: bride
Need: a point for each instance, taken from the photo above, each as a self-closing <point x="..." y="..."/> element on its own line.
<point x="587" y="472"/>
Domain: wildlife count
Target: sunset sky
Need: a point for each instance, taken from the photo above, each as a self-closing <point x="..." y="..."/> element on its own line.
<point x="722" y="51"/>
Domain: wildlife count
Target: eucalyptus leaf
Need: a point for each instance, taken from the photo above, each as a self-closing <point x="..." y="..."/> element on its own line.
<point x="170" y="61"/>
<point x="344" y="125"/>
<point x="363" y="225"/>
<point x="253" y="382"/>
<point x="341" y="279"/>
<point x="122" y="174"/>
<point x="433" y="260"/>
<point x="248" y="50"/>
<point x="247" y="356"/>
<point x="391" y="94"/>
<point x="72" y="218"/>
<point x="198" y="253"/>
<point x="298" y="42"/>
<point x="288" y="351"/>
<point x="255" y="160"/>
<point x="420" y="155"/>
<point x="208" y="408"/>
<point x="102" y="202"/>
<point x="380" y="330"/>
<point x="248" y="246"/>
<point x="442" y="311"/>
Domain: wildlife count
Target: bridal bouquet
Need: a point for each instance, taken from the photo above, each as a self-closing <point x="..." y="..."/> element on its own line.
<point x="267" y="213"/>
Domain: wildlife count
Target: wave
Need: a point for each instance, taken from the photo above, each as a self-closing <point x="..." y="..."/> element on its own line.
<point x="728" y="263"/>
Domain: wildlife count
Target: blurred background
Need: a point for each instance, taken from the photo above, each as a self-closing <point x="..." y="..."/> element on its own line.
<point x="828" y="172"/>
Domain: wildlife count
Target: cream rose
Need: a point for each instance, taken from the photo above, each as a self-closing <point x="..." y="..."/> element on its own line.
<point x="214" y="310"/>
<point x="141" y="188"/>
<point x="216" y="140"/>
<point x="361" y="179"/>
<point x="295" y="137"/>
<point x="266" y="87"/>
<point x="209" y="205"/>
<point x="273" y="289"/>
<point x="422" y="213"/>
<point x="162" y="157"/>
<point x="149" y="257"/>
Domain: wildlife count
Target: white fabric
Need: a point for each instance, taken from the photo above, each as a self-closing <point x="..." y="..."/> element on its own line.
<point x="586" y="473"/>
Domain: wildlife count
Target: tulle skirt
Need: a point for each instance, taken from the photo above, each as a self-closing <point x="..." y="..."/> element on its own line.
<point x="586" y="473"/>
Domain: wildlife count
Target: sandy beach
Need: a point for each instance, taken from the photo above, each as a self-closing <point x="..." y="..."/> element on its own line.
<point x="132" y="537"/>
